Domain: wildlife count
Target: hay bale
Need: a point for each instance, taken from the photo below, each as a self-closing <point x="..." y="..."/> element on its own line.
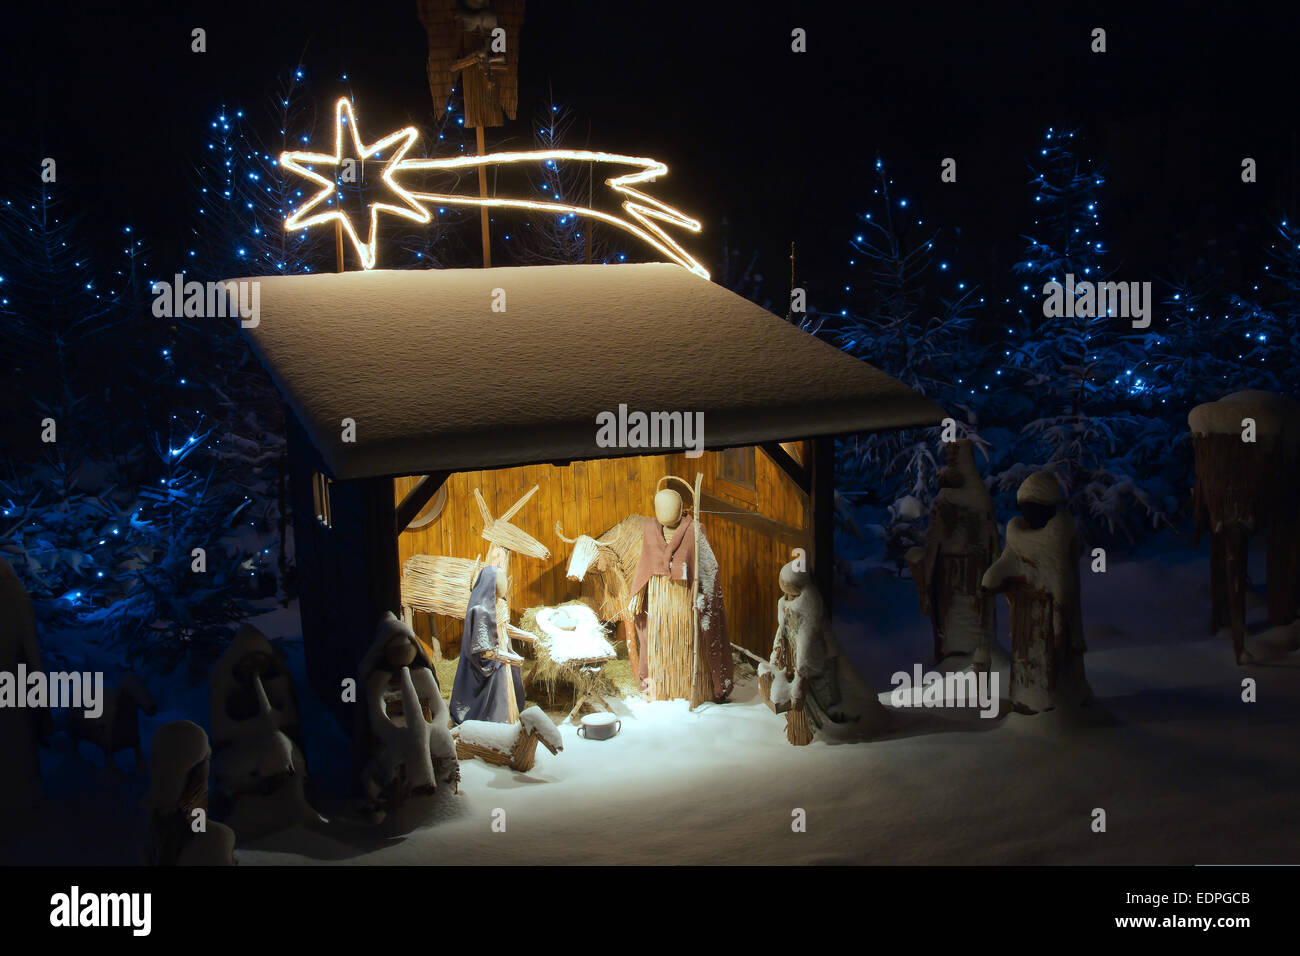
<point x="552" y="673"/>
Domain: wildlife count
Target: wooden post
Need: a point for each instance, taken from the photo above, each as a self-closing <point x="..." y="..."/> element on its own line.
<point x="823" y="517"/>
<point x="628" y="630"/>
<point x="482" y="192"/>
<point x="338" y="246"/>
<point x="697" y="694"/>
<point x="590" y="221"/>
<point x="1237" y="546"/>
<point x="380" y="538"/>
<point x="789" y="307"/>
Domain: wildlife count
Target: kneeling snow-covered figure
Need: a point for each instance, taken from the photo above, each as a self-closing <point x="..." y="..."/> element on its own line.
<point x="802" y="678"/>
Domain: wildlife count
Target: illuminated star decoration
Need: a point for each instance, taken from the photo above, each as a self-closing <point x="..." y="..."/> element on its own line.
<point x="647" y="211"/>
<point x="298" y="161"/>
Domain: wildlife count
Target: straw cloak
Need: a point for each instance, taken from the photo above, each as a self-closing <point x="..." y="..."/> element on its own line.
<point x="677" y="560"/>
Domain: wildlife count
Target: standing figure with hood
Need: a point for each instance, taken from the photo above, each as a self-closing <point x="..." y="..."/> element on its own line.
<point x="488" y="684"/>
<point x="960" y="544"/>
<point x="1039" y="573"/>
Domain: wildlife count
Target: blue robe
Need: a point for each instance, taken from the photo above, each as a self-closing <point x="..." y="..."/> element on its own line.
<point x="481" y="686"/>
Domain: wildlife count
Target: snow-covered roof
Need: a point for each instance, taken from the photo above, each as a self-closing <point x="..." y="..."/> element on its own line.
<point x="436" y="379"/>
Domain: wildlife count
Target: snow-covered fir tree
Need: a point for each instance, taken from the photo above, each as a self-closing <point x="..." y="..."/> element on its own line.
<point x="1078" y="376"/>
<point x="87" y="516"/>
<point x="911" y="315"/>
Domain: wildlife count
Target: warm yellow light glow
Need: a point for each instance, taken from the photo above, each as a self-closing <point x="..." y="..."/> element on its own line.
<point x="647" y="211"/>
<point x="293" y="161"/>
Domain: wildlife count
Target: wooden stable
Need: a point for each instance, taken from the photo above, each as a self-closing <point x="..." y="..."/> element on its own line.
<point x="406" y="391"/>
<point x="755" y="513"/>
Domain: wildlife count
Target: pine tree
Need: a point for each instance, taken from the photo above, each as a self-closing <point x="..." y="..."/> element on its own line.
<point x="69" y="457"/>
<point x="54" y="313"/>
<point x="1081" y="373"/>
<point x="914" y="322"/>
<point x="451" y="239"/>
<point x="243" y="197"/>
<point x="178" y="559"/>
<point x="556" y="238"/>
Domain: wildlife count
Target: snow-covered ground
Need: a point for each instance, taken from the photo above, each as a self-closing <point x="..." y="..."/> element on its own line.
<point x="1184" y="769"/>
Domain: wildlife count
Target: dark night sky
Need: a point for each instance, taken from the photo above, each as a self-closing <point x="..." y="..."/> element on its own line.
<point x="780" y="143"/>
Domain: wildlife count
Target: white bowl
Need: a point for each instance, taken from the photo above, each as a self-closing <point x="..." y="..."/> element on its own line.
<point x="600" y="726"/>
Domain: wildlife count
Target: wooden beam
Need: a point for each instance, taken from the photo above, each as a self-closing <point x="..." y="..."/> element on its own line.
<point x="823" y="516"/>
<point x="483" y="194"/>
<point x="418" y="497"/>
<point x="787" y="534"/>
<point x="528" y="637"/>
<point x="505" y="657"/>
<point x="785" y="461"/>
<point x="379" y="551"/>
<point x="754" y="658"/>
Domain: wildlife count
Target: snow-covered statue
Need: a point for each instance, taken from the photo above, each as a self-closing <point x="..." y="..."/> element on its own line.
<point x="1247" y="450"/>
<point x="21" y="729"/>
<point x="260" y="771"/>
<point x="802" y="677"/>
<point x="1039" y="573"/>
<point x="180" y="833"/>
<point x="411" y="749"/>
<point x="960" y="544"/>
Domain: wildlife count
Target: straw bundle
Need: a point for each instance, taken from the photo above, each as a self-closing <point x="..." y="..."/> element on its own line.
<point x="797" y="729"/>
<point x="503" y="533"/>
<point x="765" y="690"/>
<point x="440" y="584"/>
<point x="669" y="639"/>
<point x="437" y="583"/>
<point x="623" y="544"/>
<point x="585" y="677"/>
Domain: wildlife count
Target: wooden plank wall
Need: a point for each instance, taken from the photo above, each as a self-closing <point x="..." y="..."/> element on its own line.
<point x="591" y="497"/>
